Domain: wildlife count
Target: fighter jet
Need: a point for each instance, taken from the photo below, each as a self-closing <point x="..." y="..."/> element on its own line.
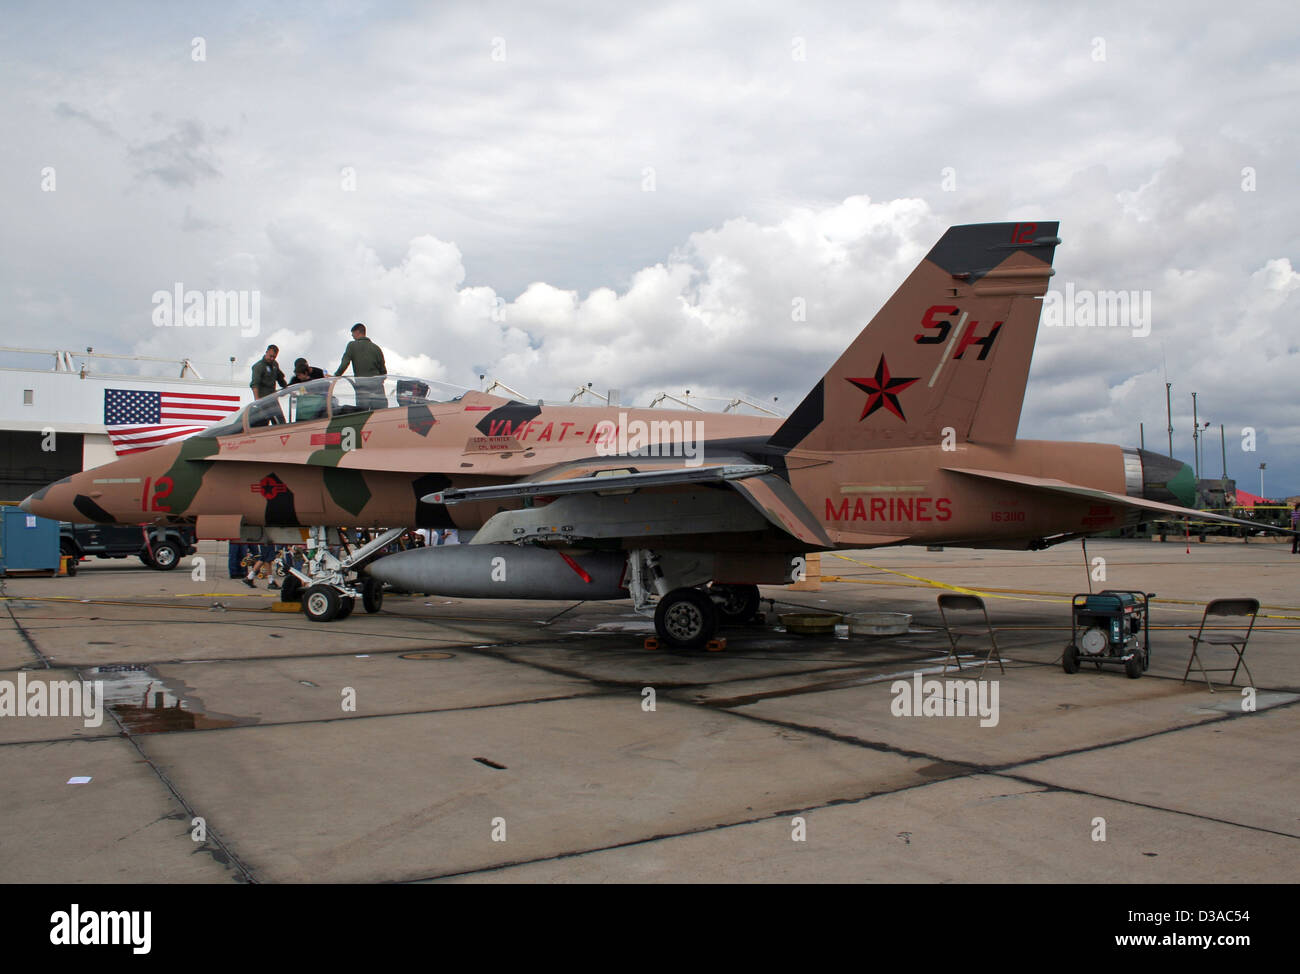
<point x="908" y="438"/>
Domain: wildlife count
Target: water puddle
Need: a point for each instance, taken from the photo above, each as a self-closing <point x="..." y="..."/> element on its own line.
<point x="146" y="703"/>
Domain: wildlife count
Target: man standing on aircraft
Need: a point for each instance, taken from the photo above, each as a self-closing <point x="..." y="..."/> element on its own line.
<point x="266" y="374"/>
<point x="367" y="361"/>
<point x="365" y="357"/>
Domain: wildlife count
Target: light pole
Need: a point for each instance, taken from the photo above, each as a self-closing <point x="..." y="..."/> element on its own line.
<point x="1261" y="478"/>
<point x="1169" y="417"/>
<point x="1196" y="439"/>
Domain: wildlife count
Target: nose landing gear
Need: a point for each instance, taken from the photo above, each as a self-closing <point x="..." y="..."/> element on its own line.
<point x="329" y="586"/>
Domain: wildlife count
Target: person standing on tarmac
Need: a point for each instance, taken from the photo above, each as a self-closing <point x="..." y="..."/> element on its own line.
<point x="1295" y="526"/>
<point x="264" y="559"/>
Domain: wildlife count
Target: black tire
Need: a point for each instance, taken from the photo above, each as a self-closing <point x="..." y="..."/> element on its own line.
<point x="66" y="547"/>
<point x="346" y="604"/>
<point x="372" y="595"/>
<point x="1133" y="667"/>
<point x="320" y="603"/>
<point x="147" y="561"/>
<point x="166" y="556"/>
<point x="739" y="603"/>
<point x="291" y="590"/>
<point x="686" y="618"/>
<point x="1070" y="661"/>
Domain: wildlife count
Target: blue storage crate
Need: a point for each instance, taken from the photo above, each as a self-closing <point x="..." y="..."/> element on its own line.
<point x="27" y="542"/>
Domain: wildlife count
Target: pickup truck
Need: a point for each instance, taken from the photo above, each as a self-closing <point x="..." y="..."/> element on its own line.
<point x="163" y="548"/>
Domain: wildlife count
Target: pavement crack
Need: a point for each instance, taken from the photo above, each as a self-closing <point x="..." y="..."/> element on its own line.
<point x="26" y="637"/>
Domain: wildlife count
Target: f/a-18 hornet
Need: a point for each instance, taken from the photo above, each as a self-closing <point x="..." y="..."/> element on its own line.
<point x="909" y="438"/>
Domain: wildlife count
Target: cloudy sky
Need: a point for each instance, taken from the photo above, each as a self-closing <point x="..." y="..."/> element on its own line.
<point x="552" y="194"/>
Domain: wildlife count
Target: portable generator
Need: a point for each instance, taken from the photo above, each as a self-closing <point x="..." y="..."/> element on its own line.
<point x="1112" y="627"/>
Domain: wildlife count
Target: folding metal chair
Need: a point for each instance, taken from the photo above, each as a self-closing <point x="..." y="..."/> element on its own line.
<point x="949" y="602"/>
<point x="1237" y="640"/>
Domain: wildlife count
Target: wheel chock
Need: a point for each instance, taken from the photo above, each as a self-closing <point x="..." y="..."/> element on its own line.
<point x="286" y="606"/>
<point x="651" y="643"/>
<point x="716" y="645"/>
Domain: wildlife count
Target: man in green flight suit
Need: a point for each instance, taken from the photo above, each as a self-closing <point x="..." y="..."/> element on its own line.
<point x="367" y="361"/>
<point x="266" y="374"/>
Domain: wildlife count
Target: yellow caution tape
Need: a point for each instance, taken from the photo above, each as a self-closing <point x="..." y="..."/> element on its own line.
<point x="1012" y="594"/>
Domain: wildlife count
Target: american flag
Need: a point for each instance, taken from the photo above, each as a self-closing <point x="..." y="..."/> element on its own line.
<point x="139" y="421"/>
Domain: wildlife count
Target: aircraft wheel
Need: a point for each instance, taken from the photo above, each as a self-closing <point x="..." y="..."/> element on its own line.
<point x="1133" y="668"/>
<point x="166" y="556"/>
<point x="372" y="594"/>
<point x="320" y="603"/>
<point x="1070" y="661"/>
<point x="291" y="590"/>
<point x="739" y="602"/>
<point x="346" y="604"/>
<point x="686" y="618"/>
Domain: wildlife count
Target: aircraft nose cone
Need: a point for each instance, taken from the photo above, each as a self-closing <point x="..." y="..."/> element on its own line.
<point x="26" y="504"/>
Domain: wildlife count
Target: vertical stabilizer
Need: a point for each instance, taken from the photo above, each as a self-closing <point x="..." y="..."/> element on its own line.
<point x="950" y="350"/>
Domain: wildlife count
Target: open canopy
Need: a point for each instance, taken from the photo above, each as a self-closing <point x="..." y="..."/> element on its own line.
<point x="333" y="396"/>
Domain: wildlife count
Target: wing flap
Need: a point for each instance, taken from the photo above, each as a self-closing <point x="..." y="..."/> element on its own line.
<point x="777" y="501"/>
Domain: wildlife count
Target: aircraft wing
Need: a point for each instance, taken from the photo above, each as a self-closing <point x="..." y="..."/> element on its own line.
<point x="597" y="482"/>
<point x="770" y="499"/>
<point x="620" y="503"/>
<point x="1132" y="503"/>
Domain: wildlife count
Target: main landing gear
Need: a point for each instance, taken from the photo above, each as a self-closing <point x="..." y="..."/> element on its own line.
<point x="687" y="610"/>
<point x="329" y="587"/>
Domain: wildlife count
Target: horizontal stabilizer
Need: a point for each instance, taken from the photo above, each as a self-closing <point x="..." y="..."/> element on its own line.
<point x="1133" y="503"/>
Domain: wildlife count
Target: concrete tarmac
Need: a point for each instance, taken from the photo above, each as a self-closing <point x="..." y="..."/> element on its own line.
<point x="451" y="740"/>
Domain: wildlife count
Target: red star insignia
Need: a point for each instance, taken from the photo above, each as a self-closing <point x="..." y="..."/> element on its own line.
<point x="882" y="391"/>
<point x="270" y="487"/>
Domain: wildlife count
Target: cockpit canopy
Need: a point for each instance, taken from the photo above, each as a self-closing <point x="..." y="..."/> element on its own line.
<point x="329" y="397"/>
